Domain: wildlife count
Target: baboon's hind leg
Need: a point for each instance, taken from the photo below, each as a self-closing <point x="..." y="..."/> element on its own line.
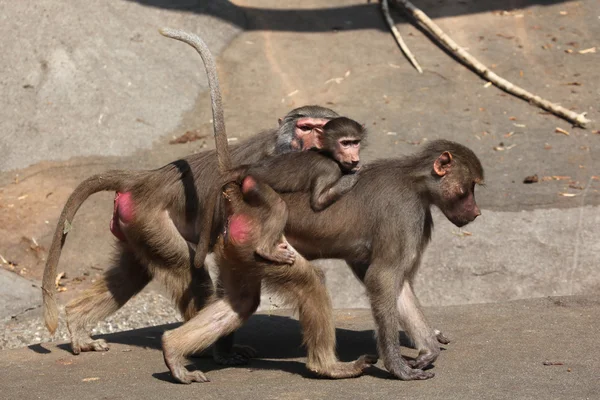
<point x="109" y="293"/>
<point x="225" y="351"/>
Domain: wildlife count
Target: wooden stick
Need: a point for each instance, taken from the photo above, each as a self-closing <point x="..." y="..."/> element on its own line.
<point x="482" y="70"/>
<point x="386" y="13"/>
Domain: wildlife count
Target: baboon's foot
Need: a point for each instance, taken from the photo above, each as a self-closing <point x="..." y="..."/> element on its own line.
<point x="86" y="343"/>
<point x="182" y="375"/>
<point x="179" y="372"/>
<point x="239" y="355"/>
<point x="342" y="370"/>
<point x="406" y="373"/>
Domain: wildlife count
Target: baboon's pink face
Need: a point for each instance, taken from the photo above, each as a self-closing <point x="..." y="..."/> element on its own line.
<point x="347" y="153"/>
<point x="307" y="133"/>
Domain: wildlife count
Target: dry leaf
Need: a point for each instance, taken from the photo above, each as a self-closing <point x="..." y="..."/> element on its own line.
<point x="347" y="74"/>
<point x="559" y="130"/>
<point x="67" y="227"/>
<point x="509" y="134"/>
<point x="90" y="379"/>
<point x="462" y="233"/>
<point x="23" y="197"/>
<point x="569" y="51"/>
<point x="531" y="179"/>
<point x="567" y="194"/>
<point x="586" y="51"/>
<point x="556" y="178"/>
<point x="487" y="85"/>
<point x="552" y="363"/>
<point x="336" y="80"/>
<point x="189" y="136"/>
<point x="58" y="278"/>
<point x="563" y="12"/>
<point x="293" y="93"/>
<point x="33" y="245"/>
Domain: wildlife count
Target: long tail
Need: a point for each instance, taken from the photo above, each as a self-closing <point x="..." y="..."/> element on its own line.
<point x="223" y="156"/>
<point x="110" y="180"/>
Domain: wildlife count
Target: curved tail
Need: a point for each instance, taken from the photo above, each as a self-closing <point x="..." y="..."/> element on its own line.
<point x="110" y="180"/>
<point x="223" y="156"/>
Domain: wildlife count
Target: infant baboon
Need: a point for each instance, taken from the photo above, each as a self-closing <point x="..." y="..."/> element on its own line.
<point x="327" y="172"/>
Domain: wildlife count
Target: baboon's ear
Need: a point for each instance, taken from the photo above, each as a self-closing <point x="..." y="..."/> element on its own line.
<point x="442" y="164"/>
<point x="280" y="120"/>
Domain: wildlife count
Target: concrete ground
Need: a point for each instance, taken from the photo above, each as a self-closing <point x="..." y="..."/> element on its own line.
<point x="527" y="349"/>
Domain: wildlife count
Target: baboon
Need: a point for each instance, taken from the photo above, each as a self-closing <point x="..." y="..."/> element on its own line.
<point x="389" y="213"/>
<point x="328" y="172"/>
<point x="158" y="216"/>
<point x="253" y="235"/>
<point x="256" y="217"/>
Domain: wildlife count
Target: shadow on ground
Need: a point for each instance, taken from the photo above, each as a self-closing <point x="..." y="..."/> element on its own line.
<point x="273" y="336"/>
<point x="331" y="18"/>
<point x="277" y="339"/>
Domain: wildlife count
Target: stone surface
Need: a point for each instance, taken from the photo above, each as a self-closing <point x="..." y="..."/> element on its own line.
<point x="17" y="295"/>
<point x="497" y="352"/>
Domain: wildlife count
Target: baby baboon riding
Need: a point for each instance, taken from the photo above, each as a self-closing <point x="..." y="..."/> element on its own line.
<point x="327" y="172"/>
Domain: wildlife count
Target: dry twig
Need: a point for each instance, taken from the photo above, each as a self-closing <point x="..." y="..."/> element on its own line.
<point x="386" y="13"/>
<point x="484" y="72"/>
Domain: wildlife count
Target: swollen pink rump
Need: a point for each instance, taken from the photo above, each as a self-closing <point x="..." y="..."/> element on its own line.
<point x="123" y="213"/>
<point x="239" y="228"/>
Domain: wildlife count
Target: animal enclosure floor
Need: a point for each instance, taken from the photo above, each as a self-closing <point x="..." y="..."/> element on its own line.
<point x="529" y="349"/>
